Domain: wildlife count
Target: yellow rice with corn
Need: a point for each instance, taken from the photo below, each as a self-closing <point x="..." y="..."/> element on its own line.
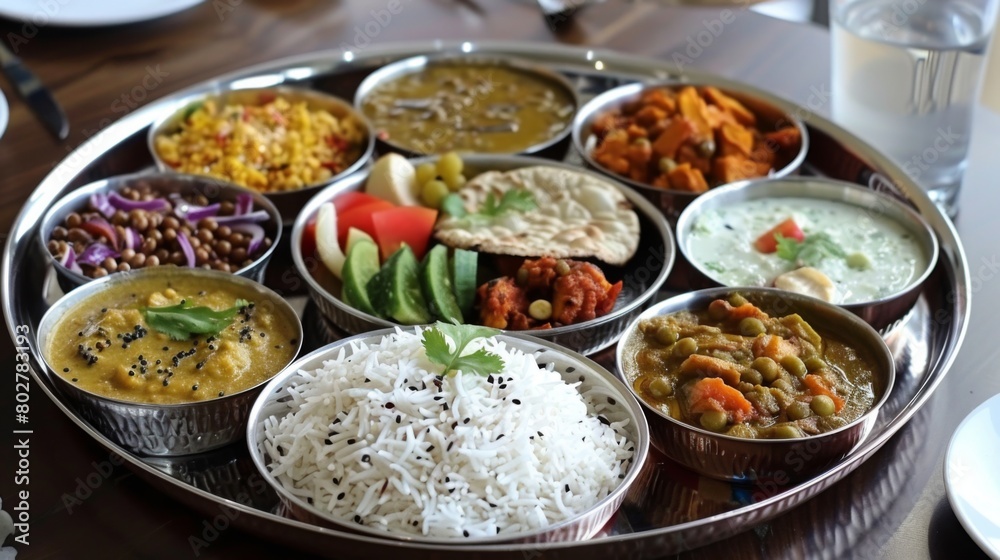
<point x="276" y="145"/>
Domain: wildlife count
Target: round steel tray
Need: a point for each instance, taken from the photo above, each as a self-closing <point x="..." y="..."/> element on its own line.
<point x="660" y="518"/>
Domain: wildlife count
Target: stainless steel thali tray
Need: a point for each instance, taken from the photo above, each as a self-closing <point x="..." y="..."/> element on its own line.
<point x="663" y="514"/>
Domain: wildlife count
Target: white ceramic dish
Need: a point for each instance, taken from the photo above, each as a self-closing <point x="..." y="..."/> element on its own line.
<point x="970" y="475"/>
<point x="91" y="13"/>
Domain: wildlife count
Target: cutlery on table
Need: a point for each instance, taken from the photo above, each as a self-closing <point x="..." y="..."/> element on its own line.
<point x="38" y="98"/>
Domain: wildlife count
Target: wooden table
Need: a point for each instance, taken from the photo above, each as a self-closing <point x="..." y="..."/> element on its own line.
<point x="83" y="506"/>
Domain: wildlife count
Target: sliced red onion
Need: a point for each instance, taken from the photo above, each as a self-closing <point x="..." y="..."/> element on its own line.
<point x="68" y="260"/>
<point x="132" y="239"/>
<point x="100" y="203"/>
<point x="256" y="235"/>
<point x="98" y="227"/>
<point x="255" y="216"/>
<point x="122" y="203"/>
<point x="244" y="204"/>
<point x="95" y="254"/>
<point x="182" y="240"/>
<point x="194" y="214"/>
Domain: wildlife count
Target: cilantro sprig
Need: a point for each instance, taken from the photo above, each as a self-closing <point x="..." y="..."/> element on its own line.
<point x="810" y="251"/>
<point x="181" y="321"/>
<point x="514" y="200"/>
<point x="480" y="362"/>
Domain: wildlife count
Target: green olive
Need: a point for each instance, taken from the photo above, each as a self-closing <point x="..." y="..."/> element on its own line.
<point x="798" y="410"/>
<point x="767" y="367"/>
<point x="858" y="261"/>
<point x="642" y="141"/>
<point x="786" y="431"/>
<point x="666" y="336"/>
<point x="718" y="310"/>
<point x="794" y="365"/>
<point x="752" y="326"/>
<point x="685" y="347"/>
<point x="752" y="377"/>
<point x="815" y="363"/>
<point x="522" y="276"/>
<point x="823" y="405"/>
<point x="737" y="299"/>
<point x="661" y="388"/>
<point x="714" y="420"/>
<point x="667" y="165"/>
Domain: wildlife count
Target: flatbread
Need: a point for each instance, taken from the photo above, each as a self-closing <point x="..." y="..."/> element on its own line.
<point x="578" y="215"/>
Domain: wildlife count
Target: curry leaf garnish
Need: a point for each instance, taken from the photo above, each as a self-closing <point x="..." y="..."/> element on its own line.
<point x="182" y="321"/>
<point x="513" y="200"/>
<point x="480" y="362"/>
<point x="813" y="249"/>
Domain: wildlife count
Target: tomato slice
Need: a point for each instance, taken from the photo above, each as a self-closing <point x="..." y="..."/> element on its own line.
<point x="768" y="243"/>
<point x="309" y="240"/>
<point x="404" y="224"/>
<point x="353" y="199"/>
<point x="359" y="217"/>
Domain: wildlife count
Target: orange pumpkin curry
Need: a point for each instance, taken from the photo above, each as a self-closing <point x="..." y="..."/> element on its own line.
<point x="734" y="369"/>
<point x="690" y="139"/>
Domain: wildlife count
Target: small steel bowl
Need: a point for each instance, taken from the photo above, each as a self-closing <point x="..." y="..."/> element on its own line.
<point x="214" y="190"/>
<point x="671" y="202"/>
<point x="574" y="368"/>
<point x="554" y="148"/>
<point x="643" y="275"/>
<point x="162" y="429"/>
<point x="288" y="202"/>
<point x="732" y="458"/>
<point x="884" y="313"/>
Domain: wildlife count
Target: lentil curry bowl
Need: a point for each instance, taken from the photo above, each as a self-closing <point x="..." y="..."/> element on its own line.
<point x="755" y="365"/>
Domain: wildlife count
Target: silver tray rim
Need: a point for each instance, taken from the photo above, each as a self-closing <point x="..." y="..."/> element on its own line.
<point x="639" y="67"/>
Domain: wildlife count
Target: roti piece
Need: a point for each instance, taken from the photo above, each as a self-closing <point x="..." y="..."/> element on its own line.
<point x="578" y="215"/>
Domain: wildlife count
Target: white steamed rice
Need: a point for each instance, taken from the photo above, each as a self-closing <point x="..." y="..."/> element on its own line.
<point x="378" y="438"/>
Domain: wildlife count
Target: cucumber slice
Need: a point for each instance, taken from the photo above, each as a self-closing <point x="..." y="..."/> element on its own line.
<point x="463" y="279"/>
<point x="395" y="290"/>
<point x="436" y="283"/>
<point x="354" y="235"/>
<point x="361" y="265"/>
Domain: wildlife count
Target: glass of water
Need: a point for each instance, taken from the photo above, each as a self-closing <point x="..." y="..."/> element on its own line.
<point x="906" y="76"/>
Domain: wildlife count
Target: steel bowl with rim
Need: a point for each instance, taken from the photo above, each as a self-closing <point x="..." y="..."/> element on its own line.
<point x="275" y="401"/>
<point x="671" y="201"/>
<point x="642" y="276"/>
<point x="288" y="202"/>
<point x="554" y="147"/>
<point x="163" y="429"/>
<point x="733" y="458"/>
<point x="883" y="313"/>
<point x="214" y="190"/>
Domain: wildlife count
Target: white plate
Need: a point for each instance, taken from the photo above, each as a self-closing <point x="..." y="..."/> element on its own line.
<point x="970" y="475"/>
<point x="90" y="13"/>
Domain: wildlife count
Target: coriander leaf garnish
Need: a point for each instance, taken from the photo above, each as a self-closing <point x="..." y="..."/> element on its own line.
<point x="182" y="321"/>
<point x="453" y="206"/>
<point x="512" y="200"/>
<point x="480" y="362"/>
<point x="810" y="251"/>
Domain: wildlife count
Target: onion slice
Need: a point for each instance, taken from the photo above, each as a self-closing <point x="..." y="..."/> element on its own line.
<point x="100" y="227"/>
<point x="255" y="216"/>
<point x="121" y="203"/>
<point x="100" y="203"/>
<point x="256" y="233"/>
<point x="244" y="204"/>
<point x="182" y="240"/>
<point x="132" y="239"/>
<point x="68" y="260"/>
<point x="194" y="214"/>
<point x="95" y="254"/>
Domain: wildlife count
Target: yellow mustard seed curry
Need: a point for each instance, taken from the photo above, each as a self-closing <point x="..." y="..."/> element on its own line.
<point x="734" y="369"/>
<point x="106" y="346"/>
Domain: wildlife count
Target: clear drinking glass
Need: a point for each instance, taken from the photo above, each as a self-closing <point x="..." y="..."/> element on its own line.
<point x="906" y="76"/>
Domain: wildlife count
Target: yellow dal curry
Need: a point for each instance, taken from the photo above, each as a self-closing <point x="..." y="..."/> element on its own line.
<point x="106" y="346"/>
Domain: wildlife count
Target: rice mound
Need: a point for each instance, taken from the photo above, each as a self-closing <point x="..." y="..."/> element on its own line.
<point x="377" y="438"/>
